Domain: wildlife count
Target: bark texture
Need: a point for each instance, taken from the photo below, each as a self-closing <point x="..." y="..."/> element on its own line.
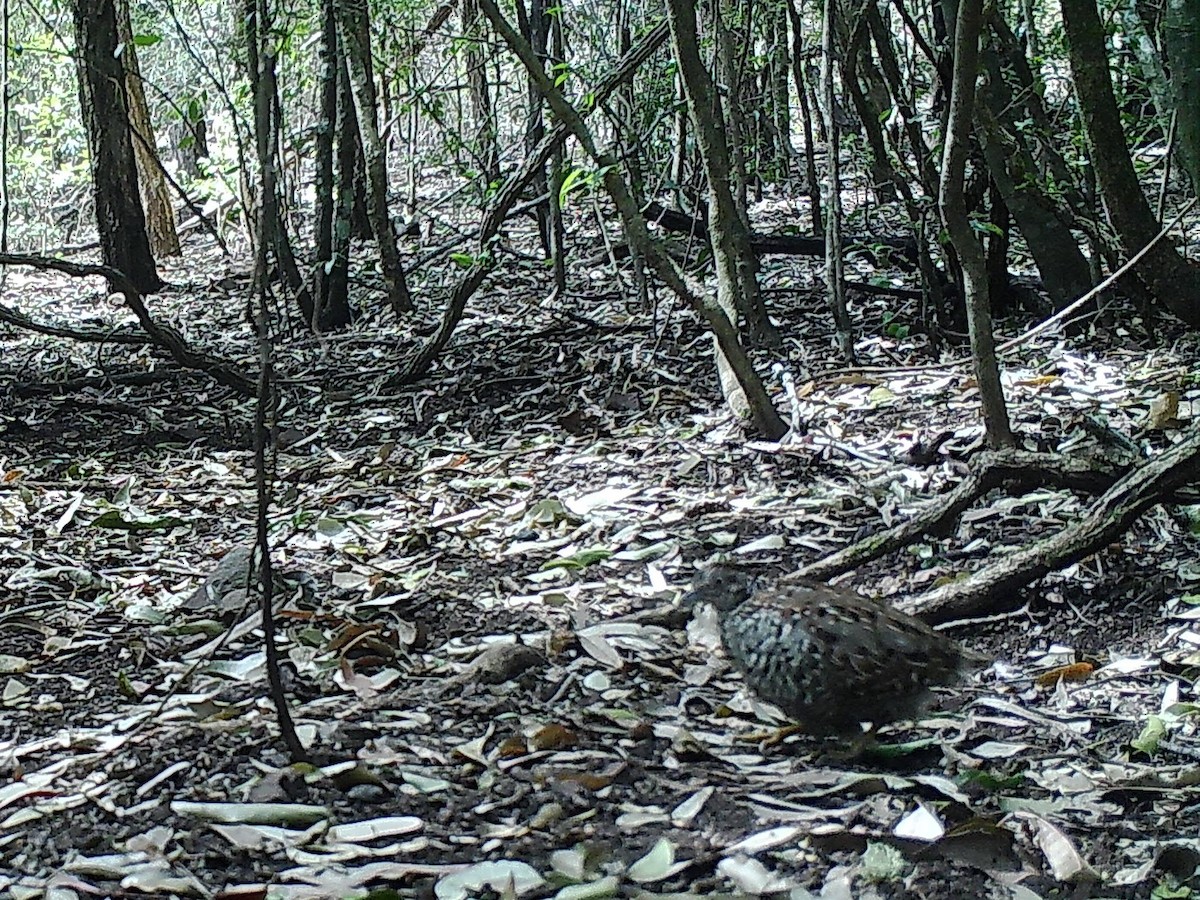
<point x="120" y="220"/>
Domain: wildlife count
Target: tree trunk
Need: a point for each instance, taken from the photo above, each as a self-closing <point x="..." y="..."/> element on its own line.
<point x="776" y="89"/>
<point x="558" y="167"/>
<point x="806" y="111"/>
<point x="625" y="100"/>
<point x="889" y="68"/>
<point x="331" y="302"/>
<point x="160" y="216"/>
<point x="834" y="263"/>
<point x="762" y="413"/>
<point x="347" y="187"/>
<point x="272" y="236"/>
<point x="859" y="66"/>
<point x="1174" y="282"/>
<point x="535" y="27"/>
<point x="999" y="241"/>
<point x="120" y="220"/>
<point x="1136" y="37"/>
<point x="1061" y="263"/>
<point x="354" y="32"/>
<point x="191" y="145"/>
<point x="736" y="265"/>
<point x="729" y="115"/>
<point x="486" y="150"/>
<point x="1026" y="90"/>
<point x="958" y="224"/>
<point x="1181" y="41"/>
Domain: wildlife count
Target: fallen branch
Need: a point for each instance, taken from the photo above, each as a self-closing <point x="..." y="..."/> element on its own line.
<point x="162" y="335"/>
<point x="1127" y="490"/>
<point x="1017" y="470"/>
<point x="995" y="586"/>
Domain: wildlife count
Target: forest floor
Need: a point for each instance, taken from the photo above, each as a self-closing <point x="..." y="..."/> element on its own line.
<point x="565" y="464"/>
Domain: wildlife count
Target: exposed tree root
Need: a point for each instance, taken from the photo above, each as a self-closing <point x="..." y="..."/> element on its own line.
<point x="1127" y="490"/>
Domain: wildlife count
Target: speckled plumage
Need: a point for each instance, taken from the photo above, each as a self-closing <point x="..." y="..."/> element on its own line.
<point x="827" y="657"/>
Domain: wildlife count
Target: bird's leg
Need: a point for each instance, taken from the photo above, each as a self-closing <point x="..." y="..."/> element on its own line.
<point x="863" y="743"/>
<point x="771" y="738"/>
<point x="858" y="745"/>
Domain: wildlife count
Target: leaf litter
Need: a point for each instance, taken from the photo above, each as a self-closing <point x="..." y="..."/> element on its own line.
<point x="487" y="710"/>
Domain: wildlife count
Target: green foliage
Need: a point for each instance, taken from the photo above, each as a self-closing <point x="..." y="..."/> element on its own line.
<point x="991" y="782"/>
<point x="892" y="328"/>
<point x="49" y="170"/>
<point x="881" y="863"/>
<point x="1151" y="736"/>
<point x="561" y="72"/>
<point x="578" y="179"/>
<point x="581" y="560"/>
<point x="47" y="151"/>
<point x="1170" y="888"/>
<point x="982" y="226"/>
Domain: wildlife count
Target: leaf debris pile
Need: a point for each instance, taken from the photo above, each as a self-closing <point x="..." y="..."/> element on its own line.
<point x="474" y="672"/>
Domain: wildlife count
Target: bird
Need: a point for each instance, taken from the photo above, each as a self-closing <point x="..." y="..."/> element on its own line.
<point x="828" y="657"/>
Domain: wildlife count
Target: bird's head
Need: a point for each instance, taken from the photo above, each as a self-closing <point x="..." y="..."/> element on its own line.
<point x="725" y="587"/>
